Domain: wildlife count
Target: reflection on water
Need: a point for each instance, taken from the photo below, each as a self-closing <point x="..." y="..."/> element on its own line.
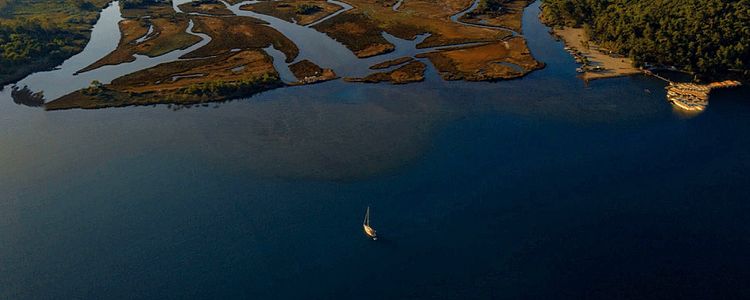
<point x="27" y="97"/>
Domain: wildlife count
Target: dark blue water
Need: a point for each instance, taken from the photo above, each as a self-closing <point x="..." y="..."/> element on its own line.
<point x="538" y="188"/>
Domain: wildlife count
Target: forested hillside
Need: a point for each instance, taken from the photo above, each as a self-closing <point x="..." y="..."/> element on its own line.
<point x="708" y="37"/>
<point x="40" y="34"/>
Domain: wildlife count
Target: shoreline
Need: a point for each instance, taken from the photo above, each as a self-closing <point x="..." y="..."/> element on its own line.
<point x="462" y="51"/>
<point x="595" y="62"/>
<point x="49" y="62"/>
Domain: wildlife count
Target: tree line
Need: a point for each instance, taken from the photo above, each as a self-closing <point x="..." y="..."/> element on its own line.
<point x="43" y="34"/>
<point x="490" y="6"/>
<point x="24" y="40"/>
<point x="707" y="37"/>
<point x="141" y="3"/>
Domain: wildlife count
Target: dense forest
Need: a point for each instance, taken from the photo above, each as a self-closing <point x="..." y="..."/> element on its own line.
<point x="141" y="3"/>
<point x="488" y="6"/>
<point x="38" y="34"/>
<point x="707" y="37"/>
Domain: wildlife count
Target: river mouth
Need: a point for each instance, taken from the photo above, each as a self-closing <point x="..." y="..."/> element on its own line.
<point x="430" y="102"/>
<point x="104" y="38"/>
<point x="315" y="46"/>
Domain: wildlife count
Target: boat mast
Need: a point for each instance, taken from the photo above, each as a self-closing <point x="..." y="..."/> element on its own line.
<point x="367" y="217"/>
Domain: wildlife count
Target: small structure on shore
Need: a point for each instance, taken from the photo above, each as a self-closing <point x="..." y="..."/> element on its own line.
<point x="692" y="96"/>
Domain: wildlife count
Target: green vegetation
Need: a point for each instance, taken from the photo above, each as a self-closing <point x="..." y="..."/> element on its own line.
<point x="37" y="35"/>
<point x="707" y="37"/>
<point x="141" y="3"/>
<point x="200" y="2"/>
<point x="411" y="72"/>
<point x="307" y="9"/>
<point x="490" y="6"/>
<point x="22" y="41"/>
<point x="101" y="96"/>
<point x="228" y="88"/>
<point x="95" y="88"/>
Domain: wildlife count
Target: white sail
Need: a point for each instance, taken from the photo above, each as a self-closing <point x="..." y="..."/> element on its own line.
<point x="367" y="217"/>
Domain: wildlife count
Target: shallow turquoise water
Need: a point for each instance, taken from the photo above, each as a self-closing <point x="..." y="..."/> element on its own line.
<point x="537" y="188"/>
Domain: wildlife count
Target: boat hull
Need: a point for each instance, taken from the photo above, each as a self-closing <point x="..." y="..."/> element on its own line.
<point x="370" y="232"/>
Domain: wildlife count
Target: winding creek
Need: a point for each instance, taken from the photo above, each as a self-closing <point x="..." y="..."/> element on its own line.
<point x="176" y="5"/>
<point x="327" y="52"/>
<point x="457" y="18"/>
<point x="397" y="5"/>
<point x="344" y="8"/>
<point x="146" y="36"/>
<point x="314" y="45"/>
<point x="105" y="36"/>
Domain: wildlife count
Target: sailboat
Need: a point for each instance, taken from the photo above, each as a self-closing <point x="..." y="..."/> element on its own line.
<point x="366" y="226"/>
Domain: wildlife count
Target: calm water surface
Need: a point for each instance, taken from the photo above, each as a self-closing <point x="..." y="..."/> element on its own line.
<point x="537" y="188"/>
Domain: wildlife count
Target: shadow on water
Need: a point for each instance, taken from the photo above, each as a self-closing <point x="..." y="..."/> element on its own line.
<point x="27" y="97"/>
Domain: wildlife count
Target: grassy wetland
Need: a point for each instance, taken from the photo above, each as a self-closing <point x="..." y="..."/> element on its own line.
<point x="411" y="72"/>
<point x="231" y="56"/>
<point x="153" y="30"/>
<point x="506" y="14"/>
<point x="300" y="12"/>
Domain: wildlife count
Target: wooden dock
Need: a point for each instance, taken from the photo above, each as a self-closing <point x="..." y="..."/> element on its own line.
<point x="692" y="96"/>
